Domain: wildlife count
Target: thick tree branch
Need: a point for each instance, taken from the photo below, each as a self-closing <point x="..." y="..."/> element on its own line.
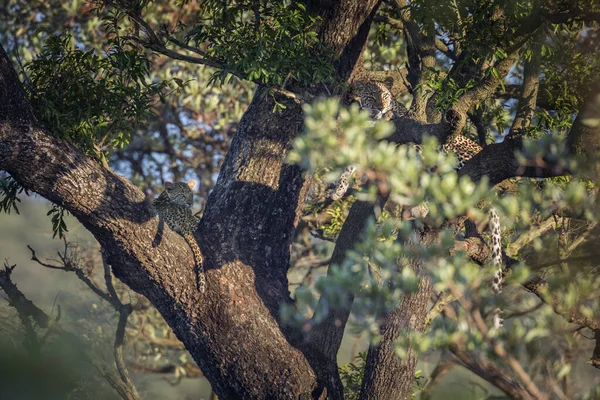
<point x="530" y="88"/>
<point x="345" y="30"/>
<point x="584" y="138"/>
<point x="421" y="58"/>
<point x="499" y="162"/>
<point x="595" y="360"/>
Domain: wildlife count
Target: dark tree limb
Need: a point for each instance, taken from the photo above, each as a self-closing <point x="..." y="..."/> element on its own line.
<point x="529" y="89"/>
<point x="386" y="375"/>
<point x="119" y="217"/>
<point x="17" y="299"/>
<point x="584" y="138"/>
<point x="328" y="334"/>
<point x="345" y="30"/>
<point x="595" y="360"/>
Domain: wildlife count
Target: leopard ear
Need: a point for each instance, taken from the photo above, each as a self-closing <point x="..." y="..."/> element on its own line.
<point x="168" y="185"/>
<point x="191" y="183"/>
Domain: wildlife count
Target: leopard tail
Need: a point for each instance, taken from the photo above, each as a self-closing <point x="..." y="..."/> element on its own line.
<point x="201" y="279"/>
<point x="496" y="238"/>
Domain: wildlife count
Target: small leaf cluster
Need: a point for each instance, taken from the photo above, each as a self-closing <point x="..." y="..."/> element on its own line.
<point x="59" y="226"/>
<point x="90" y="99"/>
<point x="9" y="192"/>
<point x="351" y="375"/>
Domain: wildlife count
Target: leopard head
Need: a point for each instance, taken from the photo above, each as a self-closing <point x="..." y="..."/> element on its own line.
<point x="180" y="193"/>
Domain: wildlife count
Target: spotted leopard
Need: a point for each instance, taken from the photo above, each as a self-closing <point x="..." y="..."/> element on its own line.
<point x="377" y="99"/>
<point x="174" y="206"/>
<point x="465" y="149"/>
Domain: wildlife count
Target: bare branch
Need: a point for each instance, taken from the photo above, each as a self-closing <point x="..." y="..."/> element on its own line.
<point x="124" y="313"/>
<point x="488" y="371"/>
<point x="69" y="266"/>
<point x="540" y="288"/>
<point x="162" y="49"/>
<point x="528" y="236"/>
<point x="22" y="304"/>
<point x="27" y="309"/>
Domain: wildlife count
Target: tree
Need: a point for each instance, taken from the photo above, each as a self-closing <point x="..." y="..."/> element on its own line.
<point x="246" y="333"/>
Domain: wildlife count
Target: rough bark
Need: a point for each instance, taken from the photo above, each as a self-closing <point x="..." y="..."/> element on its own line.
<point x="387" y="376"/>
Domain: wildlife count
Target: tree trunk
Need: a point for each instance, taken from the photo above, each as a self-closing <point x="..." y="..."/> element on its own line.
<point x="387" y="376"/>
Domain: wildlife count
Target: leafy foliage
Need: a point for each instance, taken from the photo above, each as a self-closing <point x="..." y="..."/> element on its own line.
<point x="377" y="271"/>
<point x="270" y="42"/>
<point x="352" y="375"/>
<point x="9" y="191"/>
<point x="59" y="227"/>
<point x="89" y="99"/>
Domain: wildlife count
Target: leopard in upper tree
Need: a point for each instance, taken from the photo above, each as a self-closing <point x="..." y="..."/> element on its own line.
<point x="464" y="149"/>
<point x="377" y="99"/>
<point x="174" y="206"/>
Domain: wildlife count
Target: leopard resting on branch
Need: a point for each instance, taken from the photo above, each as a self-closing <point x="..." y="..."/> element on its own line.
<point x="174" y="206"/>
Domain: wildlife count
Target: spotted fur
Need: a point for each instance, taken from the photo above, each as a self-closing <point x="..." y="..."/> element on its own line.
<point x="378" y="100"/>
<point x="496" y="238"/>
<point x="340" y="187"/>
<point x="174" y="206"/>
<point x="465" y="149"/>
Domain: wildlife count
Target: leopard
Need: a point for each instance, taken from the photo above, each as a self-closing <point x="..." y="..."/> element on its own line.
<point x="378" y="100"/>
<point x="464" y="149"/>
<point x="174" y="206"/>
